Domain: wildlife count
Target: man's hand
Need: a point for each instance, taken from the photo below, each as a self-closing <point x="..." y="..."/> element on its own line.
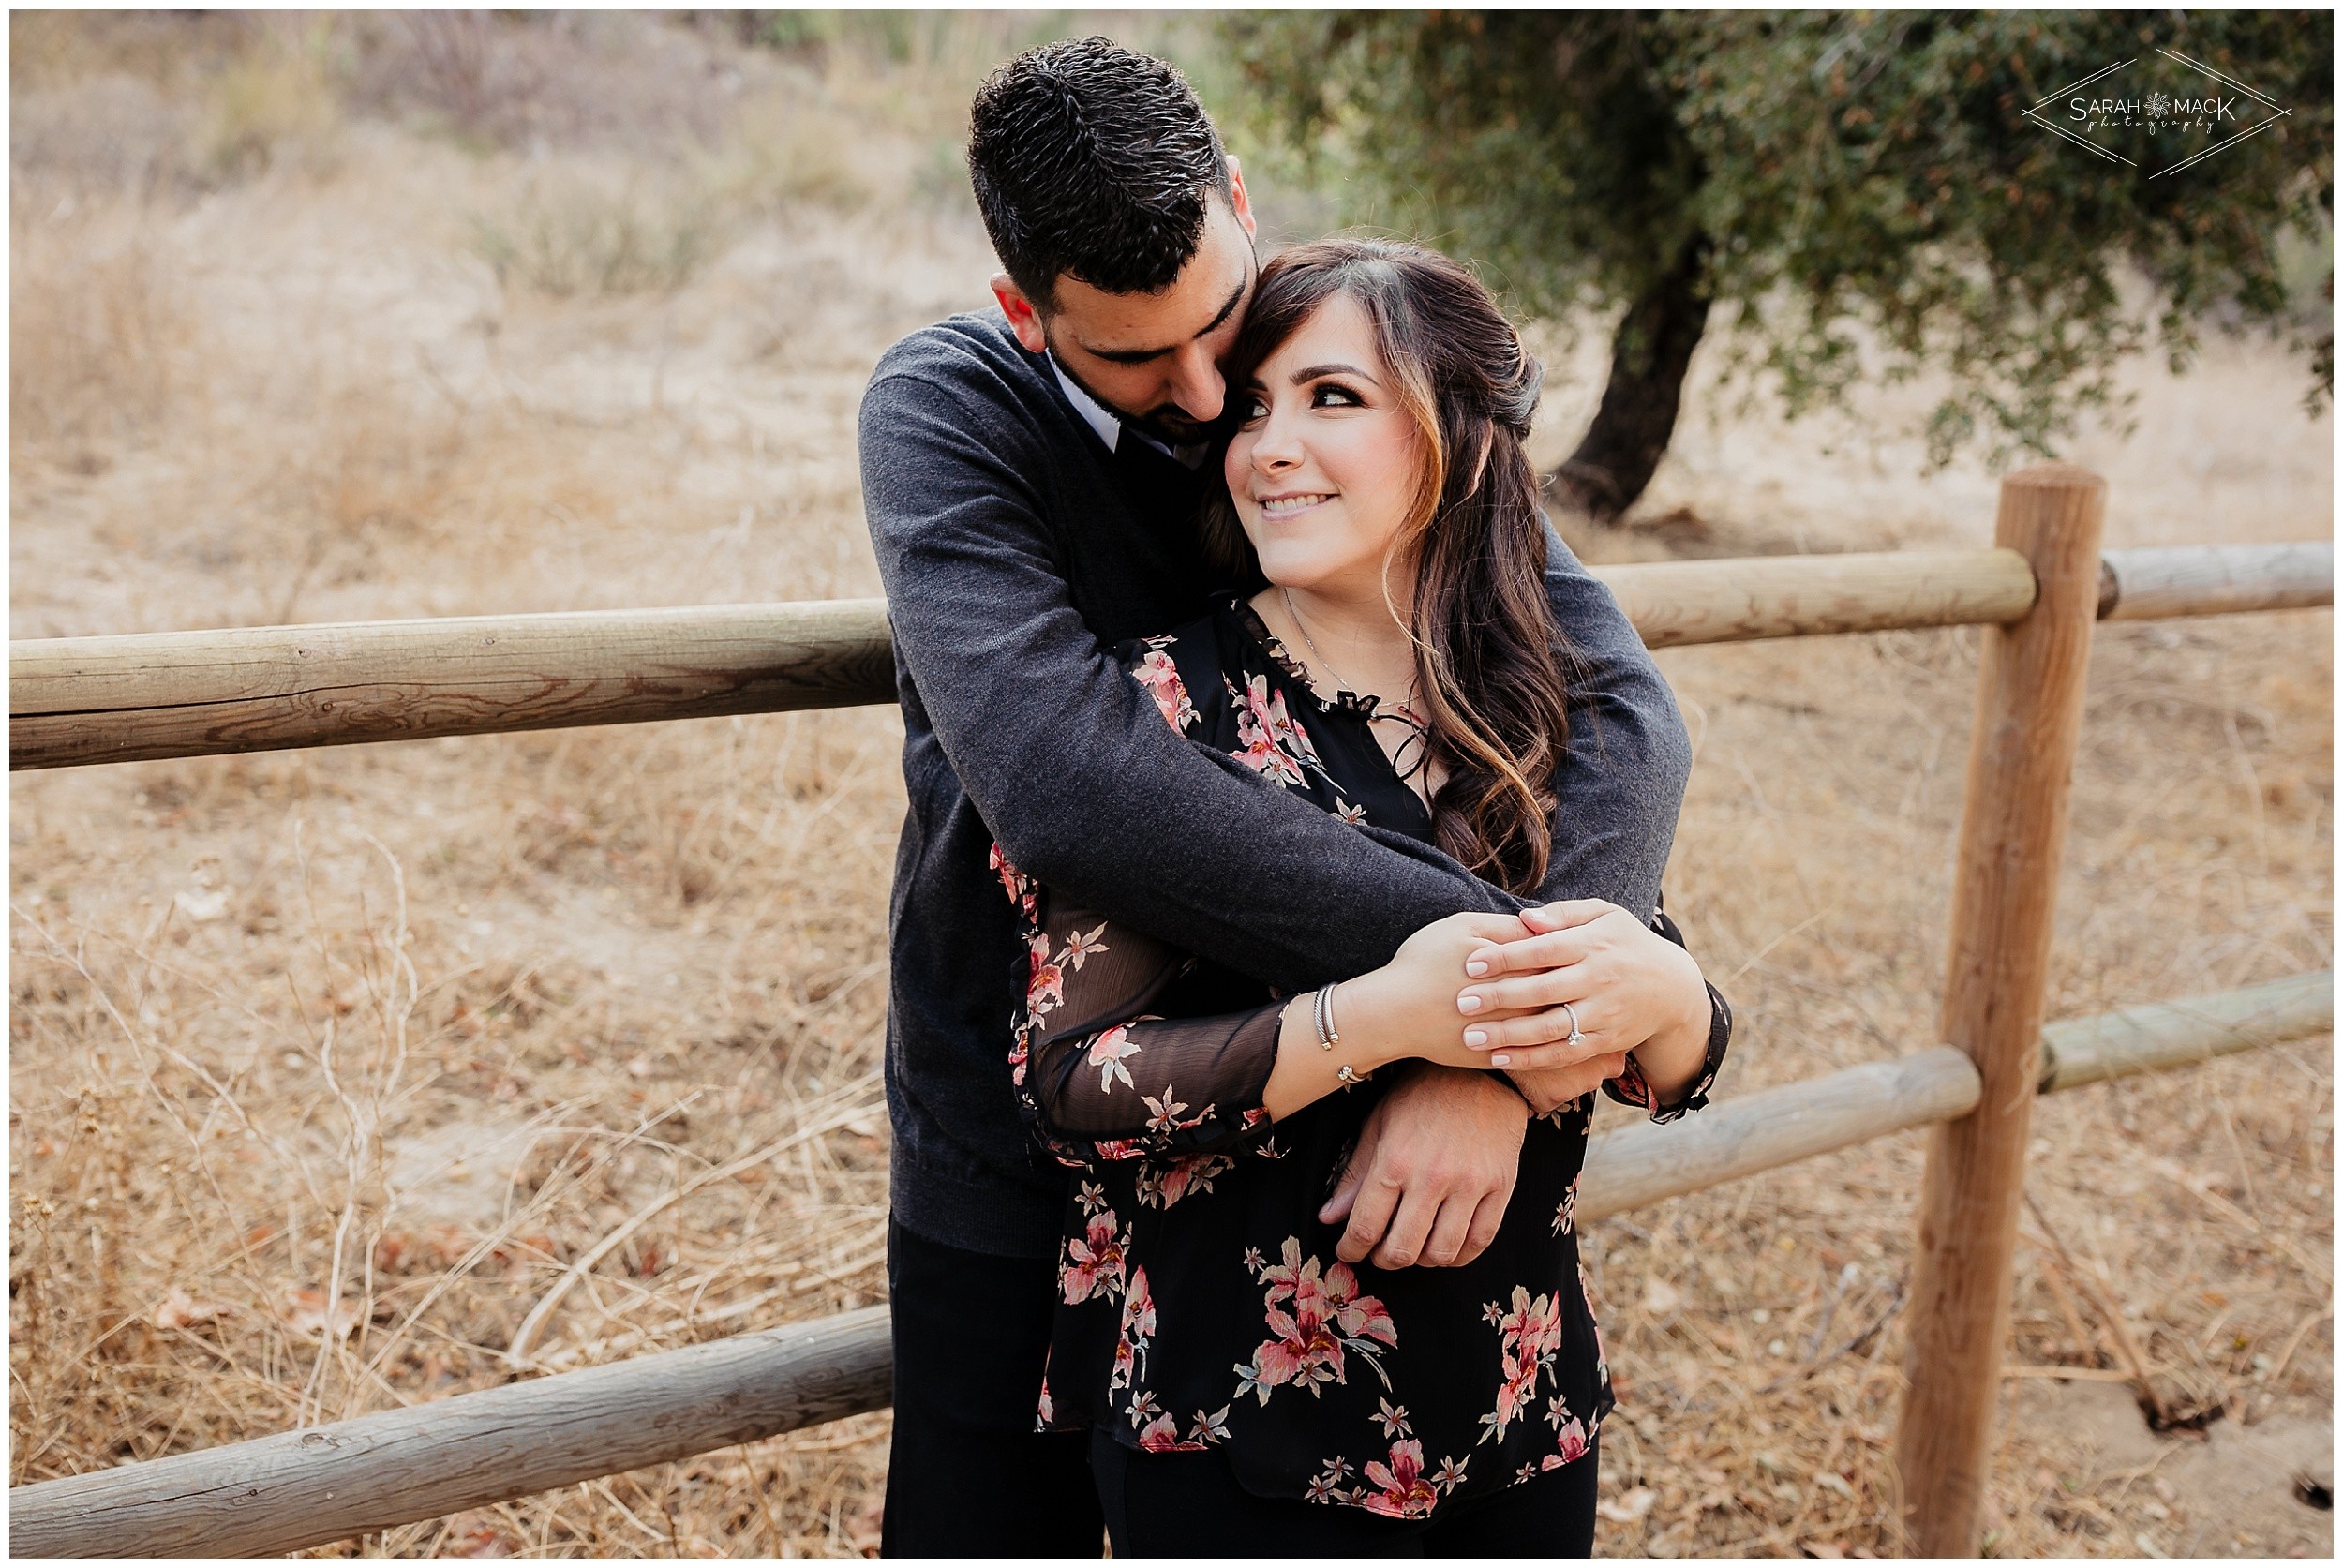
<point x="1551" y="1088"/>
<point x="1433" y="1172"/>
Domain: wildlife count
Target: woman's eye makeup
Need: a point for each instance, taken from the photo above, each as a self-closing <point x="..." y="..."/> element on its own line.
<point x="1324" y="395"/>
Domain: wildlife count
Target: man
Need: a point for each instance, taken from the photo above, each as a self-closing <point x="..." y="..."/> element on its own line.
<point x="1030" y="476"/>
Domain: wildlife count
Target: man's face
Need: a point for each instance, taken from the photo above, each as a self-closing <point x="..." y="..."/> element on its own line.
<point x="1154" y="359"/>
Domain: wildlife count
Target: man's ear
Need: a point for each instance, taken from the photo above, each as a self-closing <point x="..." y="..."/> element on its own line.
<point x="1238" y="199"/>
<point x="1023" y="320"/>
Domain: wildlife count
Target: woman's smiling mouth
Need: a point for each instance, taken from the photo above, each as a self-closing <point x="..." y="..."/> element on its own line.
<point x="1278" y="507"/>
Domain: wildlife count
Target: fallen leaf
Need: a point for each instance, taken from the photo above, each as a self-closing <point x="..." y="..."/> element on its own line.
<point x="473" y="1535"/>
<point x="306" y="1313"/>
<point x="200" y="905"/>
<point x="1659" y="1296"/>
<point x="1626" y="1510"/>
<point x="178" y="1309"/>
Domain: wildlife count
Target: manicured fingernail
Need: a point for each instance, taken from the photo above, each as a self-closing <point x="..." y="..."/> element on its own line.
<point x="1468" y="1003"/>
<point x="1476" y="1036"/>
<point x="1500" y="1061"/>
<point x="1476" y="968"/>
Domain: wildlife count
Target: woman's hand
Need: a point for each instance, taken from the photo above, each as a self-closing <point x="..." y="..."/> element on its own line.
<point x="1628" y="986"/>
<point x="1407" y="1008"/>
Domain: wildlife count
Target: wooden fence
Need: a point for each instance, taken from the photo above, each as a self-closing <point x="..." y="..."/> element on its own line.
<point x="96" y="699"/>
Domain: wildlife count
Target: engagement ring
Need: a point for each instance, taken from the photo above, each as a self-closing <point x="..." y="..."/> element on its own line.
<point x="1574" y="1035"/>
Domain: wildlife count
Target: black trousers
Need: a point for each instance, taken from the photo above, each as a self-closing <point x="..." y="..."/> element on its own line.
<point x="967" y="1475"/>
<point x="1192" y="1505"/>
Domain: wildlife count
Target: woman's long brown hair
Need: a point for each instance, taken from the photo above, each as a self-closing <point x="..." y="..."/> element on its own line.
<point x="1488" y="654"/>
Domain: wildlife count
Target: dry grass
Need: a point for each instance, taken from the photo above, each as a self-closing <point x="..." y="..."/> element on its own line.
<point x="327" y="1065"/>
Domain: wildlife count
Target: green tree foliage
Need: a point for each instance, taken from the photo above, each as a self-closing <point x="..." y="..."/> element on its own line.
<point x="1836" y="178"/>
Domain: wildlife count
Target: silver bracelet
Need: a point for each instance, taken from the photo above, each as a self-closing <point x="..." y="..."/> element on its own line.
<point x="1322" y="1017"/>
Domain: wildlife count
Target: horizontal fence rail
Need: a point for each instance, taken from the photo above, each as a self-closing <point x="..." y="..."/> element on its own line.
<point x="75" y="700"/>
<point x="297" y="1489"/>
<point x="2155" y="583"/>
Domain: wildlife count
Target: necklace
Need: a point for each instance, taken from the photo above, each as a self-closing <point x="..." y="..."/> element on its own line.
<point x="1400" y="709"/>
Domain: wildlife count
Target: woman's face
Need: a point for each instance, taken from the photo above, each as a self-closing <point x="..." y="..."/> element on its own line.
<point x="1325" y="467"/>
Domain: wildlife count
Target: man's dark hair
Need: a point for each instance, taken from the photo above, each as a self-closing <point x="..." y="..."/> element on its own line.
<point x="1094" y="162"/>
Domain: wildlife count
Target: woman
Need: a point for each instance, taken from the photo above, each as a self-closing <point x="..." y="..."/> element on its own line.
<point x="1246" y="1391"/>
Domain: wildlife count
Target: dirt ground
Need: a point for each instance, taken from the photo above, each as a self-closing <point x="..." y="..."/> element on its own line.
<point x="325" y="1065"/>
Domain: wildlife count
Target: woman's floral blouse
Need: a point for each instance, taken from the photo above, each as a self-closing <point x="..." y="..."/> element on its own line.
<point x="1201" y="1303"/>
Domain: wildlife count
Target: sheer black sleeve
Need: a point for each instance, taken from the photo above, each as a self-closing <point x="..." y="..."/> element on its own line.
<point x="1099" y="1074"/>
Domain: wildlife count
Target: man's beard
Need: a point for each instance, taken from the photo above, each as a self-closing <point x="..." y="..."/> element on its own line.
<point x="1167" y="424"/>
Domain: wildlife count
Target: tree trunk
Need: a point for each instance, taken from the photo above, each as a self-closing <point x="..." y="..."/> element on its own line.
<point x="1622" y="448"/>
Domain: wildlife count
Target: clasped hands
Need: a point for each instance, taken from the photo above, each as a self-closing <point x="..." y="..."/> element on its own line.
<point x="1469" y="997"/>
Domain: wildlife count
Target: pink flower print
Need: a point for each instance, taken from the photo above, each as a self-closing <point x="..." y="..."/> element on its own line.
<point x="1595" y="1321"/>
<point x="1391" y="1418"/>
<point x="1162" y="1436"/>
<point x="1162" y="1186"/>
<point x="1139" y="1326"/>
<point x="1093" y="1264"/>
<point x="1081" y="944"/>
<point x="1528" y="1338"/>
<point x="1330" y="1319"/>
<point x="1046" y="987"/>
<point x="1328" y="1486"/>
<point x="1013" y="881"/>
<point x="1405" y="1493"/>
<point x="1566" y="1217"/>
<point x="1162" y="676"/>
<point x="1632" y="1083"/>
<point x="1138" y="1311"/>
<point x="1275" y="746"/>
<point x="1163" y="1115"/>
<point x="1210" y="1427"/>
<point x="1574" y="1446"/>
<point x="1048" y="1411"/>
<point x="1451" y="1476"/>
<point x="1118" y="1148"/>
<point x="1108" y="1054"/>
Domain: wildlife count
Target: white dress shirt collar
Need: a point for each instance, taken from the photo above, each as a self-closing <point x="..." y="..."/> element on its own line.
<point x="1109" y="425"/>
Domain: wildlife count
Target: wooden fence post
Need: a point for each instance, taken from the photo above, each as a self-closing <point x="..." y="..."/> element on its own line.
<point x="2013" y="828"/>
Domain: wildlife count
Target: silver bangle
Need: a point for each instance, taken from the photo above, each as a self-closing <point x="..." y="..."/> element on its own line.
<point x="1342" y="1071"/>
<point x="1322" y="1017"/>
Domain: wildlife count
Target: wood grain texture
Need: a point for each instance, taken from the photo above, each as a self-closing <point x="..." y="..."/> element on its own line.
<point x="2161" y="1036"/>
<point x="2013" y="831"/>
<point x="265" y="688"/>
<point x="1740" y="1137"/>
<point x="75" y="700"/>
<point x="297" y="1489"/>
<point x="1677" y="604"/>
<point x="2216" y="579"/>
<point x="301" y="1490"/>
